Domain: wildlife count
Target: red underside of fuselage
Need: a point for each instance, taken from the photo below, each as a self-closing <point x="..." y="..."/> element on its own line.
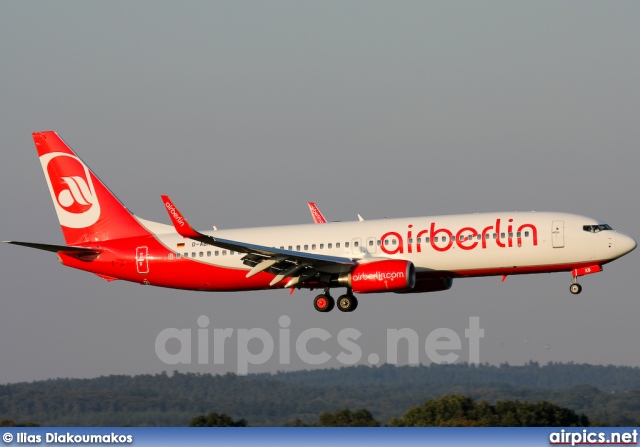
<point x="520" y="270"/>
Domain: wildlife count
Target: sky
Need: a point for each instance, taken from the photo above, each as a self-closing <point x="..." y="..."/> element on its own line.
<point x="244" y="111"/>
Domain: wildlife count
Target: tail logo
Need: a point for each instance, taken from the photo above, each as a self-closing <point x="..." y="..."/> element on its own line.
<point x="71" y="187"/>
<point x="78" y="192"/>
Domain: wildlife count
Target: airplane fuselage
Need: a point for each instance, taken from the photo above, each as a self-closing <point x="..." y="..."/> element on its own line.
<point x="440" y="246"/>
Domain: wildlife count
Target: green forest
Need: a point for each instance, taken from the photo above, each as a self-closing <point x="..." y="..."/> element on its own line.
<point x="599" y="395"/>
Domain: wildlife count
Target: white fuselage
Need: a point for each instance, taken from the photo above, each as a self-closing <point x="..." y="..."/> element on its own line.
<point x="488" y="243"/>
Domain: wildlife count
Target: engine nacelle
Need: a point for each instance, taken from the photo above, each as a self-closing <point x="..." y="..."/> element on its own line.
<point x="388" y="275"/>
<point x="430" y="285"/>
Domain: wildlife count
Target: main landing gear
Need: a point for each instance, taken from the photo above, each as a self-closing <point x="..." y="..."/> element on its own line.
<point x="325" y="302"/>
<point x="347" y="303"/>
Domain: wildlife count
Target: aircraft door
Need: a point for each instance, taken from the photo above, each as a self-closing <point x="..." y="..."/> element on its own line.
<point x="557" y="233"/>
<point x="142" y="262"/>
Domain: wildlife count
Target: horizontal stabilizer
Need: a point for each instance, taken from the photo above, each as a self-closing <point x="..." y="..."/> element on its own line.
<point x="70" y="250"/>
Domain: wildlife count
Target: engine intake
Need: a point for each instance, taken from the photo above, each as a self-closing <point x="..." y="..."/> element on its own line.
<point x="381" y="276"/>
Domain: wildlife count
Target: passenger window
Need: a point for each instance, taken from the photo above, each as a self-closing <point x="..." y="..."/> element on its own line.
<point x="495" y="235"/>
<point x="355" y="244"/>
<point x="444" y="238"/>
<point x="217" y="253"/>
<point x="371" y="243"/>
<point x="501" y="235"/>
<point x="526" y="234"/>
<point x="346" y="244"/>
<point x="410" y="240"/>
<point x="178" y="255"/>
<point x="321" y="246"/>
<point x="518" y="234"/>
<point x="306" y="247"/>
<point x="193" y="254"/>
<point x="231" y="253"/>
<point x="186" y="255"/>
<point x="379" y="242"/>
<point x="419" y="240"/>
<point x="510" y="235"/>
<point x="202" y="254"/>
<point x="298" y="247"/>
<point x="282" y="247"/>
<point x="435" y="239"/>
<point x="426" y="240"/>
<point x="329" y="245"/>
<point x="170" y="255"/>
<point x="337" y="244"/>
<point x="290" y="247"/>
<point x="313" y="247"/>
<point x="394" y="242"/>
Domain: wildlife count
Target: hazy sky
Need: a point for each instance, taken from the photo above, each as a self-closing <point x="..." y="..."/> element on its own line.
<point x="244" y="111"/>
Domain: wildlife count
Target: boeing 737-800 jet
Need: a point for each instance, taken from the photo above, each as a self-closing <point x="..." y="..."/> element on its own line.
<point x="407" y="255"/>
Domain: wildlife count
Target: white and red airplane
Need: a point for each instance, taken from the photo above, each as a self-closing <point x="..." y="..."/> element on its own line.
<point x="408" y="255"/>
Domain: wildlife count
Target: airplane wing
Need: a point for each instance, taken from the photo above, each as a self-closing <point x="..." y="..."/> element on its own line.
<point x="300" y="267"/>
<point x="316" y="214"/>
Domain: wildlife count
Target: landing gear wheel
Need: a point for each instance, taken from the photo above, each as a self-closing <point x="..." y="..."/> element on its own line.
<point x="355" y="303"/>
<point x="324" y="303"/>
<point x="347" y="303"/>
<point x="575" y="288"/>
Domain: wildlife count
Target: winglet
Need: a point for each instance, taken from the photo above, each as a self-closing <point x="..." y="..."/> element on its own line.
<point x="179" y="222"/>
<point x="316" y="214"/>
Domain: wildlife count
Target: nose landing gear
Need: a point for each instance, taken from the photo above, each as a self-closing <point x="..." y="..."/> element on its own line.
<point x="575" y="288"/>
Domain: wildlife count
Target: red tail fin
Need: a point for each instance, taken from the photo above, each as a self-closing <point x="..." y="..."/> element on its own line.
<point x="86" y="209"/>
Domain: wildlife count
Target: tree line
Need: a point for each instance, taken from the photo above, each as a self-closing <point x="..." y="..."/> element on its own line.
<point x="605" y="394"/>
<point x="447" y="411"/>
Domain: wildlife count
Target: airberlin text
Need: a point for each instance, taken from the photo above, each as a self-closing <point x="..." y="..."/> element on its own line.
<point x="377" y="275"/>
<point x="467" y="238"/>
<point x="174" y="212"/>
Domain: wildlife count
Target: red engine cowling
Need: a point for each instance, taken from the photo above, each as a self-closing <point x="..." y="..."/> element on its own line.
<point x="382" y="276"/>
<point x="430" y="285"/>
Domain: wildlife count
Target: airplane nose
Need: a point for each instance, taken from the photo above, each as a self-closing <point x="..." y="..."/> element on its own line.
<point x="626" y="243"/>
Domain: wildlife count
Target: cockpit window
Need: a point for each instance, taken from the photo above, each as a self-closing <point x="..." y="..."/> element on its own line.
<point x="596" y="228"/>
